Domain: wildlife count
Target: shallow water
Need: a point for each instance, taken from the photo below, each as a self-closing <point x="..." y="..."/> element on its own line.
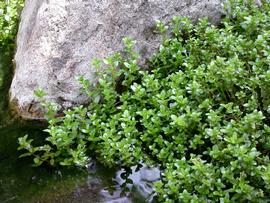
<point x="20" y="182"/>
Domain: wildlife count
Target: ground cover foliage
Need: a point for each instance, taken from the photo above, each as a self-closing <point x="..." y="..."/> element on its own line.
<point x="201" y="111"/>
<point x="9" y="15"/>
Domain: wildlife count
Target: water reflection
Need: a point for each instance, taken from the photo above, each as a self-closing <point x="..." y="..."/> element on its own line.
<point x="20" y="182"/>
<point x="103" y="185"/>
<point x="131" y="185"/>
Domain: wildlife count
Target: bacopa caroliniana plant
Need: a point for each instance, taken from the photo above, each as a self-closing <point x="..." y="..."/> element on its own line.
<point x="201" y="111"/>
<point x="9" y="15"/>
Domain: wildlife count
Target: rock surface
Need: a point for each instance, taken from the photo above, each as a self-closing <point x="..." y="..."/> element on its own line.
<point x="57" y="40"/>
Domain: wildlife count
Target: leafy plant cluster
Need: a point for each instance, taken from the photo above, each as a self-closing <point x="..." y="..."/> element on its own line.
<point x="201" y="111"/>
<point x="9" y="14"/>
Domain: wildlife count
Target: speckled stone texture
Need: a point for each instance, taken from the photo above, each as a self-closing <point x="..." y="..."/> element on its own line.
<point x="57" y="40"/>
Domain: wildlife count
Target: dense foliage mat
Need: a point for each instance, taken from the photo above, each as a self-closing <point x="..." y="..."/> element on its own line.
<point x="201" y="111"/>
<point x="9" y="15"/>
<point x="9" y="18"/>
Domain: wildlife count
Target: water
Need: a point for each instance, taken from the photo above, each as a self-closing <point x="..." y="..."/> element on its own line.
<point x="20" y="182"/>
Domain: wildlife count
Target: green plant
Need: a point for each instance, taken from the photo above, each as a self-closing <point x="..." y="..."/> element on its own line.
<point x="201" y="111"/>
<point x="9" y="14"/>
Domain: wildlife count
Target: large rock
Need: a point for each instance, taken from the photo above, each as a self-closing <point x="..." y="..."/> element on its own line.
<point x="57" y="40"/>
